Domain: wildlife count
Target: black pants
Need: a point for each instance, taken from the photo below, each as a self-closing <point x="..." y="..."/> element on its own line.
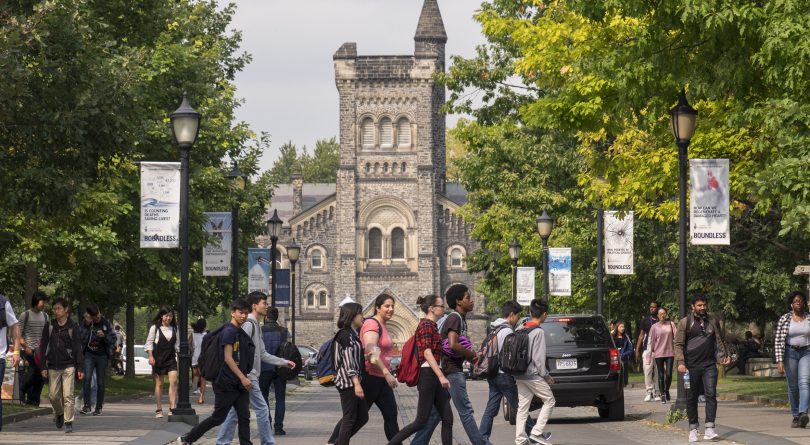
<point x="377" y="392"/>
<point x="431" y="394"/>
<point x="355" y="415"/>
<point x="663" y="366"/>
<point x="32" y="388"/>
<point x="226" y="396"/>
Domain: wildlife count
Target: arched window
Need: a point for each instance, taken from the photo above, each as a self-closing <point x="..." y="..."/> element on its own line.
<point x="367" y="133"/>
<point x="316" y="260"/>
<point x="386" y="133"/>
<point x="398" y="244"/>
<point x="403" y="167"/>
<point x="385" y="167"/>
<point x="456" y="257"/>
<point x="310" y="298"/>
<point x="368" y="167"/>
<point x="322" y="298"/>
<point x="375" y="244"/>
<point x="403" y="132"/>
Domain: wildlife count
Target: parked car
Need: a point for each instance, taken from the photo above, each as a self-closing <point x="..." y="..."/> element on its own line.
<point x="468" y="368"/>
<point x="309" y="359"/>
<point x="142" y="366"/>
<point x="585" y="364"/>
<point x="395" y="361"/>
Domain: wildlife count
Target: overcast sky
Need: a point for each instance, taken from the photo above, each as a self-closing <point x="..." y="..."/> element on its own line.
<point x="289" y="87"/>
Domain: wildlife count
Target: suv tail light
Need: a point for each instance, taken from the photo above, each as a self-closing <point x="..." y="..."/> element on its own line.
<point x="615" y="363"/>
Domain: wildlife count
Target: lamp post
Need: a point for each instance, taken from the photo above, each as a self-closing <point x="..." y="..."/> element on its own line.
<point x="239" y="184"/>
<point x="274" y="229"/>
<point x="514" y="254"/>
<point x="293" y="252"/>
<point x="545" y="224"/>
<point x="185" y="126"/>
<point x="684" y="119"/>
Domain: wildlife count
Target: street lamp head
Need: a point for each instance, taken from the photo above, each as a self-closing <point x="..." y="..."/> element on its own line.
<point x="274" y="225"/>
<point x="684" y="119"/>
<point x="545" y="224"/>
<point x="235" y="175"/>
<point x="514" y="250"/>
<point x="293" y="252"/>
<point x="185" y="124"/>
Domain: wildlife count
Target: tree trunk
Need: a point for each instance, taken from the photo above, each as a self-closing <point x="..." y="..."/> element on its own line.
<point x="31" y="282"/>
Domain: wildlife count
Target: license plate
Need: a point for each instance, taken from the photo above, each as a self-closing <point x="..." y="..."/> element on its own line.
<point x="566" y="363"/>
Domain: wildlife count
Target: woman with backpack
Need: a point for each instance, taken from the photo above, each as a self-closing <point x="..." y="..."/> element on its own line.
<point x="625" y="346"/>
<point x="433" y="385"/>
<point x="162" y="347"/>
<point x="348" y="362"/>
<point x="378" y="382"/>
<point x="662" y="344"/>
<point x="195" y="341"/>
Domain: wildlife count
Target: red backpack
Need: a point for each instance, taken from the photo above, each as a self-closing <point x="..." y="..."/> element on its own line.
<point x="408" y="371"/>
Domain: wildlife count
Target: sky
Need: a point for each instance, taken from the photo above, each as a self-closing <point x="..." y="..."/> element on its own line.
<point x="289" y="88"/>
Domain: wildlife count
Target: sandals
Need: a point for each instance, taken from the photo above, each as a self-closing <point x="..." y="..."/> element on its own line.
<point x="158" y="414"/>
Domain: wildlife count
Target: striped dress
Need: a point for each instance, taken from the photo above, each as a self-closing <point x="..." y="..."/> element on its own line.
<point x="348" y="356"/>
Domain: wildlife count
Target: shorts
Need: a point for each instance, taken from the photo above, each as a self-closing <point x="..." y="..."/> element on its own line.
<point x="164" y="370"/>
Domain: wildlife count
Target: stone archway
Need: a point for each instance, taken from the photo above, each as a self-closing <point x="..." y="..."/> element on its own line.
<point x="402" y="325"/>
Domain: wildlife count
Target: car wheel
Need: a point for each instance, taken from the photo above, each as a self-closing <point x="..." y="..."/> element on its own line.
<point x="615" y="410"/>
<point x="603" y="412"/>
<point x="508" y="414"/>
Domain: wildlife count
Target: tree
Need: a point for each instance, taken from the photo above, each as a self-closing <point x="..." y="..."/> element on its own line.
<point x="321" y="166"/>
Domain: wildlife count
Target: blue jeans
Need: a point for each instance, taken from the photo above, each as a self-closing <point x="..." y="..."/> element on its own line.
<point x="266" y="379"/>
<point x="97" y="363"/>
<point x="458" y="394"/>
<point x="503" y="385"/>
<point x="797" y="372"/>
<point x="257" y="402"/>
<point x="708" y="377"/>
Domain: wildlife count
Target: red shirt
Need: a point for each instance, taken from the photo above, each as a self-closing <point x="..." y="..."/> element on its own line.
<point x="427" y="337"/>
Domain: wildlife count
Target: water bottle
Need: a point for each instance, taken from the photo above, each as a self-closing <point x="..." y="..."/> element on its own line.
<point x="686" y="384"/>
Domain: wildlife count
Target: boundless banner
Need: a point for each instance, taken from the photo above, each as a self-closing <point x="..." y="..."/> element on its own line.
<point x="618" y="243"/>
<point x="217" y="255"/>
<point x="525" y="285"/>
<point x="709" y="201"/>
<point x="559" y="271"/>
<point x="160" y="205"/>
<point x="259" y="270"/>
<point x="282" y="288"/>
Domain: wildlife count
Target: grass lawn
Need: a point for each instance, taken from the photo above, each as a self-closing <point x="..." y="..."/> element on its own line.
<point x="773" y="388"/>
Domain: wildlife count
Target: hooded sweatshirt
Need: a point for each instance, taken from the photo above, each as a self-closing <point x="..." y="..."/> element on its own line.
<point x="505" y="329"/>
<point x="537" y="345"/>
<point x="251" y="328"/>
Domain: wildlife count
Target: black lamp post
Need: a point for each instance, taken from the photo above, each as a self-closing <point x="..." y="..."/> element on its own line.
<point x="274" y="229"/>
<point x="185" y="126"/>
<point x="239" y="184"/>
<point x="293" y="252"/>
<point x="684" y="120"/>
<point x="514" y="254"/>
<point x="545" y="224"/>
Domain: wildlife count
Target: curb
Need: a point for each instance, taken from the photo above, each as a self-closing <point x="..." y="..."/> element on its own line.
<point x="19" y="417"/>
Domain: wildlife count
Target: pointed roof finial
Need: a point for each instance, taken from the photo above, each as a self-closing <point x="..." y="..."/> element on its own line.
<point x="431" y="26"/>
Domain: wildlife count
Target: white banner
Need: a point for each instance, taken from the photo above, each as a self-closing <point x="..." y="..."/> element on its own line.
<point x="709" y="201"/>
<point x="559" y="271"/>
<point x="217" y="255"/>
<point x="160" y="205"/>
<point x="618" y="244"/>
<point x="259" y="271"/>
<point x="525" y="285"/>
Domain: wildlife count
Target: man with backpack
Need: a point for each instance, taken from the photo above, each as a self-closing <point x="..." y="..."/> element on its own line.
<point x="33" y="320"/>
<point x="700" y="345"/>
<point x="536" y="380"/>
<point x="258" y="305"/>
<point x="273" y="337"/>
<point x="61" y="349"/>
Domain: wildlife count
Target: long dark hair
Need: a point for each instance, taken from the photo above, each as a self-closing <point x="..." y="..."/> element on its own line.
<point x="347" y="313"/>
<point x="199" y="325"/>
<point x="380" y="300"/>
<point x="165" y="309"/>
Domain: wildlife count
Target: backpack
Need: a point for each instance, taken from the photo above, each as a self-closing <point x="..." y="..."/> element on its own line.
<point x="408" y="371"/>
<point x="325" y="368"/>
<point x="3" y="321"/>
<point x="515" y="356"/>
<point x="289" y="351"/>
<point x="488" y="363"/>
<point x="41" y="355"/>
<point x="211" y="359"/>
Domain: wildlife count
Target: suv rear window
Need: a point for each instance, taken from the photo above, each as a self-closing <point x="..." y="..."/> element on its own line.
<point x="579" y="331"/>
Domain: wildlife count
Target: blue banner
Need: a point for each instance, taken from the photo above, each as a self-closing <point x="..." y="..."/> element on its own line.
<point x="259" y="270"/>
<point x="282" y="288"/>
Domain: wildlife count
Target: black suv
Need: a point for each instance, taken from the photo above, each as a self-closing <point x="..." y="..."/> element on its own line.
<point x="585" y="364"/>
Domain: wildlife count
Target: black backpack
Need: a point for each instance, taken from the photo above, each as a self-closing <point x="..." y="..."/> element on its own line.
<point x="289" y="351"/>
<point x="515" y="355"/>
<point x="211" y="359"/>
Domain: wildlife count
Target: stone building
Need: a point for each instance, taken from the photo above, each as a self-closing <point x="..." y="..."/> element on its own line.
<point x="389" y="224"/>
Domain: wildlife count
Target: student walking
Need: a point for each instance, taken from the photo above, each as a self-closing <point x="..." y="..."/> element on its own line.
<point x="231" y="387"/>
<point x="61" y="348"/>
<point x="792" y="353"/>
<point x="98" y="339"/>
<point x="622" y="340"/>
<point x="643" y="352"/>
<point x="433" y="385"/>
<point x="348" y="357"/>
<point x="162" y="348"/>
<point x="33" y="320"/>
<point x="273" y="336"/>
<point x="699" y="345"/>
<point x="662" y="343"/>
<point x="536" y="381"/>
<point x="258" y="305"/>
<point x="8" y="324"/>
<point x="378" y="382"/>
<point x="195" y="340"/>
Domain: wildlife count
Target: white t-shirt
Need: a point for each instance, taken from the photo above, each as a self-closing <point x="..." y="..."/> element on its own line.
<point x="11" y="320"/>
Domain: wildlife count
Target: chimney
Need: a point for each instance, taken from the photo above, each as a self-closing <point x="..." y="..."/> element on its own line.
<point x="297" y="181"/>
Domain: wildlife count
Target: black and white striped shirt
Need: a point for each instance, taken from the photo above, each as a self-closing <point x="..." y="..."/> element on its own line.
<point x="348" y="356"/>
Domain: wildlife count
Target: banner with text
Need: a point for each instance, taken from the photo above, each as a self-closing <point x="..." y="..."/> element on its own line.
<point x="709" y="201"/>
<point x="282" y="288"/>
<point x="618" y="244"/>
<point x="160" y="205"/>
<point x="259" y="270"/>
<point x="217" y="255"/>
<point x="525" y="285"/>
<point x="559" y="271"/>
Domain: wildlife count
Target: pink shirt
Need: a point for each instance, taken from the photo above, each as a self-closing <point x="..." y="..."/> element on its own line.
<point x="662" y="339"/>
<point x="384" y="342"/>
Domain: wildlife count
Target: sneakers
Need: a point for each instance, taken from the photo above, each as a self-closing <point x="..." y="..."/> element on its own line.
<point x="97" y="412"/>
<point x="803" y="419"/>
<point x="542" y="440"/>
<point x="158" y="414"/>
<point x="657" y="399"/>
<point x="85" y="410"/>
<point x="693" y="435"/>
<point x="280" y="432"/>
<point x="68" y="427"/>
<point x="182" y="441"/>
<point x="60" y="421"/>
<point x="710" y="434"/>
<point x="648" y="398"/>
<point x="794" y="423"/>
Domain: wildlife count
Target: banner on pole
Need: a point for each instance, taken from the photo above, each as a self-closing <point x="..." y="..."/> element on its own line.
<point x="618" y="244"/>
<point x="709" y="201"/>
<point x="160" y="205"/>
<point x="217" y="255"/>
<point x="282" y="288"/>
<point x="259" y="270"/>
<point x="559" y="271"/>
<point x="525" y="285"/>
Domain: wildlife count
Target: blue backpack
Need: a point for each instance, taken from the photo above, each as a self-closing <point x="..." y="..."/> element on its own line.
<point x="326" y="363"/>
